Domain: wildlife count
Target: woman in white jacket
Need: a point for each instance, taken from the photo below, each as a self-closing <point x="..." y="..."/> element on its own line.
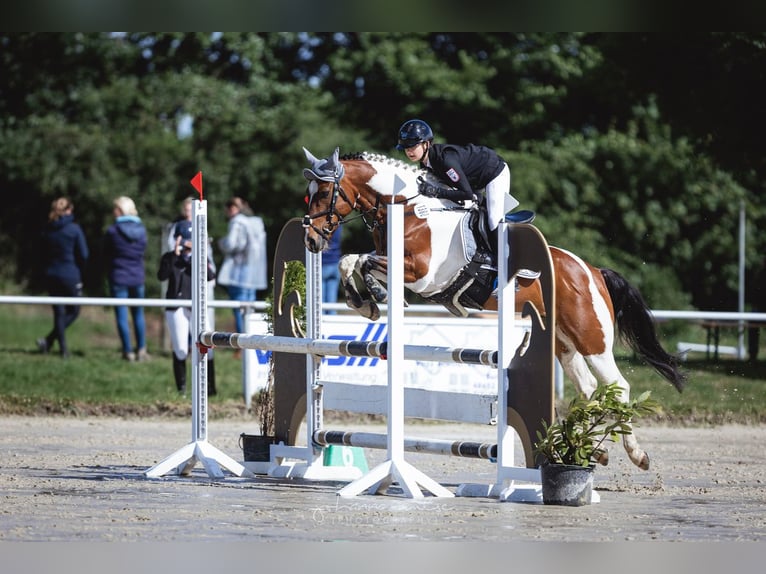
<point x="243" y="271"/>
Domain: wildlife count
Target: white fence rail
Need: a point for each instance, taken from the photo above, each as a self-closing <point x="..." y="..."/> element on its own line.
<point x="711" y="320"/>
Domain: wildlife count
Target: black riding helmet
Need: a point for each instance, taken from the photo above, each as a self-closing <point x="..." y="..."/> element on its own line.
<point x="412" y="133"/>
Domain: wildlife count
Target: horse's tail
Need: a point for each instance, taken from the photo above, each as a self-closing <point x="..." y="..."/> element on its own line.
<point x="635" y="326"/>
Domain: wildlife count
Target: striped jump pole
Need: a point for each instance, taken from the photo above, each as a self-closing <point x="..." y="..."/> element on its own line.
<point x="342" y="348"/>
<point x="460" y="448"/>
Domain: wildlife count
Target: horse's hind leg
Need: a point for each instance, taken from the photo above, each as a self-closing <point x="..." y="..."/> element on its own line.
<point x="607" y="372"/>
<point x="575" y="367"/>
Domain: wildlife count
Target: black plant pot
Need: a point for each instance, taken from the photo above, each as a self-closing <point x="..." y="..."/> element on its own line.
<point x="566" y="484"/>
<point x="256" y="447"/>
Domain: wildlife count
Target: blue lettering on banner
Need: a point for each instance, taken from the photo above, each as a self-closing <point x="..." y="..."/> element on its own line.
<point x="373" y="332"/>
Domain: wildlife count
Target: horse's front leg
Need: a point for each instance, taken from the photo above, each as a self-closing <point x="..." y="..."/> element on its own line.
<point x="349" y="266"/>
<point x="374" y="270"/>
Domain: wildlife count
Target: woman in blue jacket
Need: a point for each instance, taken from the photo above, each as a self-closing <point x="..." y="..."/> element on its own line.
<point x="67" y="252"/>
<point x="124" y="247"/>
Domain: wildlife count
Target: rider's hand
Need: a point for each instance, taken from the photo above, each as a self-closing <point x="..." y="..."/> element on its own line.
<point x="427" y="189"/>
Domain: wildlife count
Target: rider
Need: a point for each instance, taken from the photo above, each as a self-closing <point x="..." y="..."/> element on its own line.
<point x="465" y="169"/>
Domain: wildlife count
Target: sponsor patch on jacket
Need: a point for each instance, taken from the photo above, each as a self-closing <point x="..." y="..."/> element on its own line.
<point x="453" y="175"/>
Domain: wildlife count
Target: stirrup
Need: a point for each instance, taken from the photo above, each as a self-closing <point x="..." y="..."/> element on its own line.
<point x="523" y="216"/>
<point x="527" y="274"/>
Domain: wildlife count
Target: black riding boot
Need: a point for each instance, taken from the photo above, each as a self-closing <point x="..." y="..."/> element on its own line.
<point x="211" y="391"/>
<point x="179" y="372"/>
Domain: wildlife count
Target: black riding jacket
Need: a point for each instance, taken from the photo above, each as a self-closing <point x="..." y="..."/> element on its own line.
<point x="466" y="168"/>
<point x="176" y="269"/>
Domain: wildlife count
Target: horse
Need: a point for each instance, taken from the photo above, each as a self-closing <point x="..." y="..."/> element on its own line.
<point x="593" y="305"/>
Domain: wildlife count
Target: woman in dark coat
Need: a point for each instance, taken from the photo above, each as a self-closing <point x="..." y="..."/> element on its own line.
<point x="67" y="252"/>
<point x="124" y="246"/>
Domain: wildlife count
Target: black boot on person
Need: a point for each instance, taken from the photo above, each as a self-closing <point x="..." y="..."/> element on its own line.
<point x="179" y="373"/>
<point x="211" y="390"/>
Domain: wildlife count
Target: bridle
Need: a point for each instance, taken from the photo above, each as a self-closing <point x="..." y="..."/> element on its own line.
<point x="333" y="219"/>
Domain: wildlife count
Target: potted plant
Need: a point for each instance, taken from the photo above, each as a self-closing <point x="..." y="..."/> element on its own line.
<point x="256" y="449"/>
<point x="571" y="445"/>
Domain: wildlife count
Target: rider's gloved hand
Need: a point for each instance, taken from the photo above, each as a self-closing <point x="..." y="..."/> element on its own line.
<point x="426" y="188"/>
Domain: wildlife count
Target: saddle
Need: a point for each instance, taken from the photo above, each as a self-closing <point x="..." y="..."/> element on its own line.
<point x="477" y="280"/>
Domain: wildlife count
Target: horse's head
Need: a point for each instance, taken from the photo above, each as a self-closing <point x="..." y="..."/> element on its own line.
<point x="363" y="182"/>
<point x="327" y="202"/>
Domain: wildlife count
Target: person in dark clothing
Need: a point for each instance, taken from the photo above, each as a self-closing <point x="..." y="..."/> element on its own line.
<point x="330" y="271"/>
<point x="67" y="253"/>
<point x="176" y="268"/>
<point x="124" y="247"/>
<point x="465" y="171"/>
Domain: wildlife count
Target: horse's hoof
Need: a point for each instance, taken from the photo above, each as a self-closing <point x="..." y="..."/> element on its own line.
<point x="603" y="460"/>
<point x="644" y="464"/>
<point x="369" y="310"/>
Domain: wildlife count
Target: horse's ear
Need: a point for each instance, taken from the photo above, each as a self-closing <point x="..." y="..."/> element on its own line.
<point x="310" y="157"/>
<point x="335" y="161"/>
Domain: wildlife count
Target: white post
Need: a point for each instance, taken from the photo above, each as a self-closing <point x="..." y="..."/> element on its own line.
<point x="395" y="469"/>
<point x="183" y="460"/>
<point x="506" y="487"/>
<point x="741" y="301"/>
<point x="199" y="321"/>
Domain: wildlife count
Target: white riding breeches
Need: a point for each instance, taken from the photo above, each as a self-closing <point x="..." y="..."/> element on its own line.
<point x="499" y="198"/>
<point x="179" y="322"/>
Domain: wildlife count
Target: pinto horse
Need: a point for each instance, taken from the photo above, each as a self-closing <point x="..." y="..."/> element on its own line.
<point x="591" y="303"/>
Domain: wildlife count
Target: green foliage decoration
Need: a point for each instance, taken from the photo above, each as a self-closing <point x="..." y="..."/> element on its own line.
<point x="578" y="437"/>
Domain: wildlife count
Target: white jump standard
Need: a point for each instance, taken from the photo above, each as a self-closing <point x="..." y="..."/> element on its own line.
<point x="199" y="449"/>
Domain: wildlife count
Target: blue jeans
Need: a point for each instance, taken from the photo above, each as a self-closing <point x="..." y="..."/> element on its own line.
<point x="240" y="294"/>
<point x="330" y="283"/>
<point x="121" y="314"/>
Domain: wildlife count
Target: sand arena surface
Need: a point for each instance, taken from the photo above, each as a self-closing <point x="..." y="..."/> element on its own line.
<point x="68" y="479"/>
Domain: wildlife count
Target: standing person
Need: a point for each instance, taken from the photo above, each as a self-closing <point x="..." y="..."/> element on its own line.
<point x="330" y="271"/>
<point x="67" y="252"/>
<point x="466" y="169"/>
<point x="243" y="270"/>
<point x="124" y="247"/>
<point x="176" y="268"/>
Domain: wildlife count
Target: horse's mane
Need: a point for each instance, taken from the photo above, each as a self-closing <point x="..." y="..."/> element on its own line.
<point x="380" y="158"/>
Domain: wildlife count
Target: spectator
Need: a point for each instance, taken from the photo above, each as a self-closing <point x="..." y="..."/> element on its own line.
<point x="330" y="272"/>
<point x="243" y="271"/>
<point x="175" y="268"/>
<point x="66" y="251"/>
<point x="124" y="247"/>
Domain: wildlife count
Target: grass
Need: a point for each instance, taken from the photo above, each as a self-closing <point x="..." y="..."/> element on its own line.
<point x="96" y="381"/>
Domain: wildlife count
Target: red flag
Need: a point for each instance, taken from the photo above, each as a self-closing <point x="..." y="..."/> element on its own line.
<point x="196" y="181"/>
